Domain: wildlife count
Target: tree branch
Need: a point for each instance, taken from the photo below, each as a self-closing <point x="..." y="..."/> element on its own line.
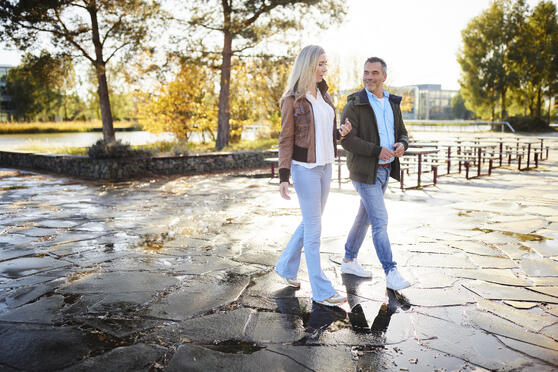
<point x="258" y="13"/>
<point x="111" y="29"/>
<point x="70" y="39"/>
<point x="116" y="50"/>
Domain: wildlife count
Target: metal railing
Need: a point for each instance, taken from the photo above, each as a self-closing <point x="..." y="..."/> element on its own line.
<point x="437" y="124"/>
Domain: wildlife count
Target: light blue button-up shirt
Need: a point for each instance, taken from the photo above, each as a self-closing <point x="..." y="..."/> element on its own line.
<point x="384" y="118"/>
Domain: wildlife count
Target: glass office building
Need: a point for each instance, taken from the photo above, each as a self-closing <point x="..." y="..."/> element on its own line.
<point x="5" y="100"/>
<point x="425" y="102"/>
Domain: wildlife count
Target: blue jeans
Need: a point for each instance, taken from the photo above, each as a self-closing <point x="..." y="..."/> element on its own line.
<point x="372" y="212"/>
<point x="312" y="188"/>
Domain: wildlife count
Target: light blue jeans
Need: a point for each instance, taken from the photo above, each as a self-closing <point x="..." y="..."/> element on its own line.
<point x="372" y="212"/>
<point x="312" y="188"/>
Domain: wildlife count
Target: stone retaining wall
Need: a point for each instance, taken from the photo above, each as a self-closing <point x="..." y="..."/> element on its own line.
<point x="121" y="169"/>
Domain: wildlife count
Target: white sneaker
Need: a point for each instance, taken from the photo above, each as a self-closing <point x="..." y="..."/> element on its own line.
<point x="354" y="268"/>
<point x="395" y="281"/>
<point x="334" y="300"/>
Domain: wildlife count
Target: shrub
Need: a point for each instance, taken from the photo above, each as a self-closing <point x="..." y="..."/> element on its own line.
<point x="114" y="150"/>
<point x="528" y="124"/>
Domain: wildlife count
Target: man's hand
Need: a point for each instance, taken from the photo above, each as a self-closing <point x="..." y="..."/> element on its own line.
<point x="386" y="154"/>
<point x="398" y="149"/>
<point x="284" y="190"/>
<point x="345" y="128"/>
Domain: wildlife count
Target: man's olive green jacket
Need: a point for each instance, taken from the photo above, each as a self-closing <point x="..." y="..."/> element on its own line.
<point x="363" y="141"/>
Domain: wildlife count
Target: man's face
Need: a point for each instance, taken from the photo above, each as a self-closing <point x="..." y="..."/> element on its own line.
<point x="374" y="77"/>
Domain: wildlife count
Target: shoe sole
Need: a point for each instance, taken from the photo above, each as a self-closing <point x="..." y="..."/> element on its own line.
<point x="292" y="285"/>
<point x="355" y="274"/>
<point x="326" y="303"/>
<point x="399" y="288"/>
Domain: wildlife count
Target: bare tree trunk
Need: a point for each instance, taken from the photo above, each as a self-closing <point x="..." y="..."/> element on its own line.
<point x="223" y="127"/>
<point x="100" y="69"/>
<point x="539" y="103"/>
<point x="503" y="113"/>
<point x="549" y="104"/>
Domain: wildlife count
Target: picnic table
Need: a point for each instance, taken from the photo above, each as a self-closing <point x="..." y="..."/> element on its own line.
<point x="419" y="152"/>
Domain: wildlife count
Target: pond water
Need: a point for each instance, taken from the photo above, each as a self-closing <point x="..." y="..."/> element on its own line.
<point x="20" y="141"/>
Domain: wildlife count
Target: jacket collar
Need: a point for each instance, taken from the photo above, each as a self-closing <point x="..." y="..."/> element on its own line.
<point x="363" y="98"/>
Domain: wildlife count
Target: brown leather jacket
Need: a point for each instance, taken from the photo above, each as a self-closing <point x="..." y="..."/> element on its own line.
<point x="298" y="139"/>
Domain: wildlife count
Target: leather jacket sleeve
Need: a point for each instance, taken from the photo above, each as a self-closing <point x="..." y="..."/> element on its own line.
<point x="286" y="139"/>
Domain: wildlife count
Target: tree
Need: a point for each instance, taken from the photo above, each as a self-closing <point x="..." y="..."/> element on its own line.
<point x="458" y="108"/>
<point x="245" y="23"/>
<point x="543" y="32"/>
<point x="38" y="86"/>
<point x="486" y="55"/>
<point x="96" y="29"/>
<point x="182" y="106"/>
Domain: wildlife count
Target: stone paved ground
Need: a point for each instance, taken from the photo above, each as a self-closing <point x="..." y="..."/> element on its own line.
<point x="176" y="274"/>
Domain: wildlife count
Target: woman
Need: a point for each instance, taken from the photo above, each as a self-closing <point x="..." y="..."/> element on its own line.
<point x="307" y="147"/>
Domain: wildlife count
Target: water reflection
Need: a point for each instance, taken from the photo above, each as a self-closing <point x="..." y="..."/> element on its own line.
<point x="357" y="317"/>
<point x="317" y="319"/>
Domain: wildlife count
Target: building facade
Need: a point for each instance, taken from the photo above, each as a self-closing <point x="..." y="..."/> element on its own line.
<point x="426" y="102"/>
<point x="5" y="101"/>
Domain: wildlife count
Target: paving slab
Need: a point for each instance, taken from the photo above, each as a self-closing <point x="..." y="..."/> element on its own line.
<point x="524" y="318"/>
<point x="545" y="248"/>
<point x="200" y="358"/>
<point x="438" y="297"/>
<point x="199" y="296"/>
<point x="440" y="260"/>
<point x="475" y="247"/>
<point x="491" y="291"/>
<point x="551" y="309"/>
<point x="115" y="282"/>
<point x="551" y="291"/>
<point x="138" y="357"/>
<point x="24" y="266"/>
<point x="549" y="356"/>
<point x="498" y="276"/>
<point x="27" y="294"/>
<point x="496" y="325"/>
<point x="43" y="311"/>
<point x="469" y="344"/>
<point x="46" y="348"/>
<point x="492" y="262"/>
<point x="539" y="267"/>
<point x="522" y="304"/>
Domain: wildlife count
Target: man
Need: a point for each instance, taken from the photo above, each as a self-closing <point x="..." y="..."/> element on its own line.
<point x="377" y="139"/>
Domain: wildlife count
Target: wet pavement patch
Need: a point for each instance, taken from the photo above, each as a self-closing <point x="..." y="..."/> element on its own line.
<point x="43" y="311"/>
<point x="115" y="282"/>
<point x="25" y="266"/>
<point x="493" y="291"/>
<point x="46" y="348"/>
<point x="138" y="357"/>
<point x="539" y="267"/>
<point x="176" y="273"/>
<point x="195" y="297"/>
<point x="466" y="343"/>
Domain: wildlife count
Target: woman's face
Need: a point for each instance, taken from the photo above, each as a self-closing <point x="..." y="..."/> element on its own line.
<point x="322" y="68"/>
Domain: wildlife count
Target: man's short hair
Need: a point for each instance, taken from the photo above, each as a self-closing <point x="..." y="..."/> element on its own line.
<point x="377" y="59"/>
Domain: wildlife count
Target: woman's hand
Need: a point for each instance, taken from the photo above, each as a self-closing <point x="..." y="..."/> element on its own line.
<point x="345" y="128"/>
<point x="284" y="190"/>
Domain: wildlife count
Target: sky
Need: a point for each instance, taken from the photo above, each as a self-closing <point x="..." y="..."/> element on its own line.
<point x="418" y="39"/>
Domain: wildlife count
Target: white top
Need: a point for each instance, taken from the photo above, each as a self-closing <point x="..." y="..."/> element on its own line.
<point x="323" y="124"/>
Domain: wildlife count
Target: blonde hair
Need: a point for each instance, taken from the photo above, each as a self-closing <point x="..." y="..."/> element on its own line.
<point x="303" y="75"/>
